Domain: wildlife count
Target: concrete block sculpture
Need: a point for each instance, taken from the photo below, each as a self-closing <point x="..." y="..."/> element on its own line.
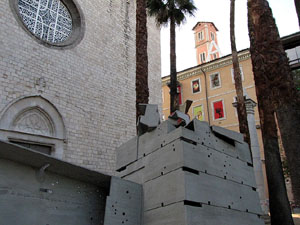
<point x="38" y="189"/>
<point x="124" y="203"/>
<point x="192" y="175"/>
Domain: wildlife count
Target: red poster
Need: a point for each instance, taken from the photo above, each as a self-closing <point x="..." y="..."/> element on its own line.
<point x="218" y="110"/>
<point x="196" y="86"/>
<point x="179" y="94"/>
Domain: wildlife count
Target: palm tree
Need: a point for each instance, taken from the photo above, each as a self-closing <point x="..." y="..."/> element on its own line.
<point x="297" y="4"/>
<point x="241" y="108"/>
<point x="172" y="11"/>
<point x="276" y="95"/>
<point x="141" y="83"/>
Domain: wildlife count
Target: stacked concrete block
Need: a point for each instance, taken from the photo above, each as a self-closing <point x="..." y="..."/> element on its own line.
<point x="192" y="175"/>
<point x="39" y="189"/>
<point x="124" y="203"/>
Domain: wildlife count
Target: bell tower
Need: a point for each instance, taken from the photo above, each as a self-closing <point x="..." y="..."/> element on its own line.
<point x="206" y="42"/>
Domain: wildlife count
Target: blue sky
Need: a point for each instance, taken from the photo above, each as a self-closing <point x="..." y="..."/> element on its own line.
<point x="217" y="11"/>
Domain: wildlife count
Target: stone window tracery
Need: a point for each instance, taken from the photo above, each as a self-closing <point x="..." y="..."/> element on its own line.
<point x="34" y="121"/>
<point x="48" y="20"/>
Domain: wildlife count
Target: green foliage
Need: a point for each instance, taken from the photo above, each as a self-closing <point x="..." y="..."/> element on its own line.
<point x="296" y="76"/>
<point x="164" y="10"/>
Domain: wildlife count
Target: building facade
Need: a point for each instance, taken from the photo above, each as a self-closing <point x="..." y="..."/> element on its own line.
<point x="211" y="87"/>
<point x="67" y="77"/>
<point x="210" y="84"/>
<point x="206" y="42"/>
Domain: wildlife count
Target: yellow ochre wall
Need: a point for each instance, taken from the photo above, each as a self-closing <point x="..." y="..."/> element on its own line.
<point x="225" y="92"/>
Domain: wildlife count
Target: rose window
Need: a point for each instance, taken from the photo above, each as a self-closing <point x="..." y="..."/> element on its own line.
<point x="48" y="20"/>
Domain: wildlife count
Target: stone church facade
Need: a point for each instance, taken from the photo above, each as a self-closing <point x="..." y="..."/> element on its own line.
<point x="67" y="77"/>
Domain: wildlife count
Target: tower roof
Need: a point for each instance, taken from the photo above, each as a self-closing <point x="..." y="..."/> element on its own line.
<point x="205" y="22"/>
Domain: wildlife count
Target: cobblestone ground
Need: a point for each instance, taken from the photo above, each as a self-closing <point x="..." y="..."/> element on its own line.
<point x="296" y="218"/>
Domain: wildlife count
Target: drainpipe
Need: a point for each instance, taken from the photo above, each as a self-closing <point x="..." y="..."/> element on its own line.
<point x="206" y="96"/>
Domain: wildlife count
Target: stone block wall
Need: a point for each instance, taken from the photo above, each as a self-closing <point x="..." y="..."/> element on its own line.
<point x="192" y="175"/>
<point x="92" y="84"/>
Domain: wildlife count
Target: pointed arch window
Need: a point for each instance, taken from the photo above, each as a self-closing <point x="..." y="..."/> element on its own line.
<point x="35" y="123"/>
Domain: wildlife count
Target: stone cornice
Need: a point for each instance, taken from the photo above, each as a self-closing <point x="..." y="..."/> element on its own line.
<point x="207" y="67"/>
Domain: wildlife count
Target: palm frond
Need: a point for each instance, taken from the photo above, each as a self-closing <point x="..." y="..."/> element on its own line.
<point x="163" y="10"/>
<point x="186" y="6"/>
<point x="159" y="10"/>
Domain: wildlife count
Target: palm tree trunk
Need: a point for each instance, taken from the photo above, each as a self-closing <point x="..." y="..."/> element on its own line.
<point x="288" y="116"/>
<point x="141" y="85"/>
<point x="241" y="108"/>
<point x="297" y="4"/>
<point x="269" y="69"/>
<point x="174" y="103"/>
<point x="279" y="204"/>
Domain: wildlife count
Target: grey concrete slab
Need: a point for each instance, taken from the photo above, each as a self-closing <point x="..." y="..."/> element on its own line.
<point x="164" y="160"/>
<point x="36" y="210"/>
<point x="173" y="214"/>
<point x="29" y="196"/>
<point x="229" y="147"/>
<point x="183" y="154"/>
<point x="210" y="215"/>
<point x="204" y="159"/>
<point x="166" y="127"/>
<point x="226" y="147"/>
<point x="228" y="133"/>
<point x="122" y="212"/>
<point x="179" y="185"/>
<point x="150" y="120"/>
<point x="149" y="142"/>
<point x="203" y="133"/>
<point x="181" y="214"/>
<point x="240" y="172"/>
<point x="199" y="126"/>
<point x="123" y="189"/>
<point x="124" y="204"/>
<point x="198" y="166"/>
<point x="131" y="168"/>
<point x="179" y="118"/>
<point x="221" y="192"/>
<point x="126" y="153"/>
<point x="164" y="190"/>
<point x="215" y="163"/>
<point x="163" y="135"/>
<point x="137" y="176"/>
<point x="35" y="159"/>
<point x="197" y="157"/>
<point x="243" y="152"/>
<point x="211" y="137"/>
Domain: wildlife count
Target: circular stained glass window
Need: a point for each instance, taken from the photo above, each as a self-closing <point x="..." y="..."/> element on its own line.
<point x="48" y="20"/>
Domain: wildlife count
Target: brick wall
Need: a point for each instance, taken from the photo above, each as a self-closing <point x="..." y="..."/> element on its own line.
<point x="92" y="84"/>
